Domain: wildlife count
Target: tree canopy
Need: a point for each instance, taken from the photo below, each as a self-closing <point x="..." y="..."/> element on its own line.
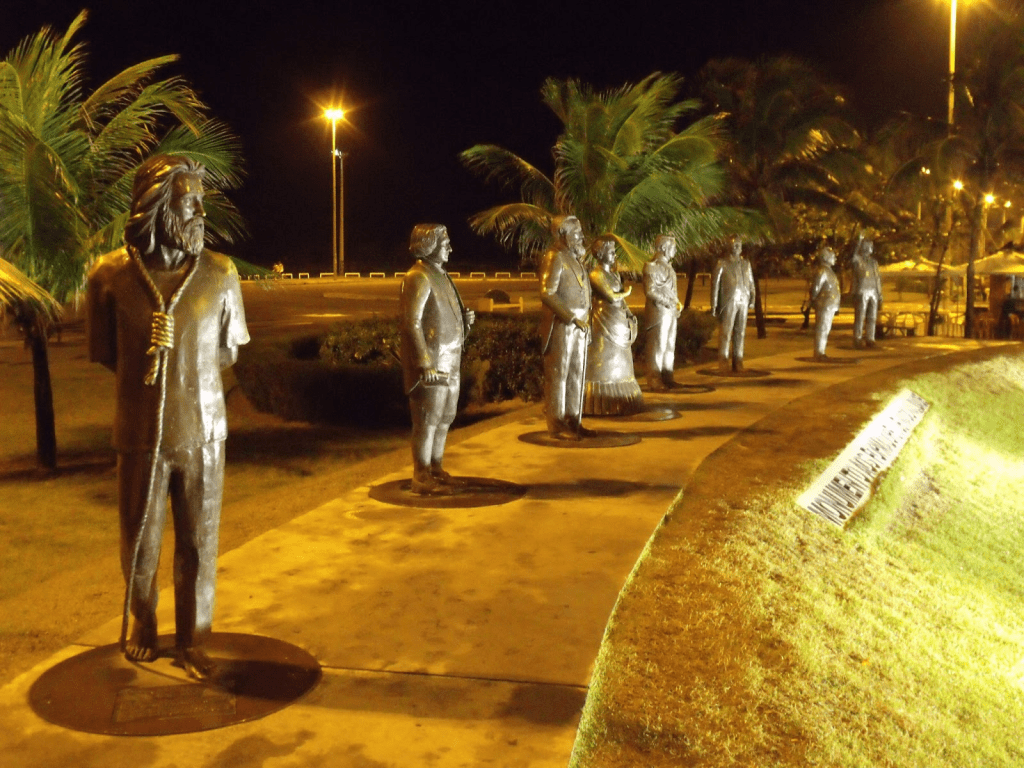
<point x="621" y="166"/>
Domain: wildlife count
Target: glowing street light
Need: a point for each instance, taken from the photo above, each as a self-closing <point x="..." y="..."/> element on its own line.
<point x="958" y="185"/>
<point x="989" y="199"/>
<point x="337" y="194"/>
<point x="952" y="59"/>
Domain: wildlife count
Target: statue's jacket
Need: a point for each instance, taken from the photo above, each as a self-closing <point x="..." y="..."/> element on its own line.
<point x="564" y="292"/>
<point x="208" y="318"/>
<point x="432" y="323"/>
<point x="732" y="283"/>
<point x="662" y="292"/>
<point x="866" y="277"/>
<point x="825" y="289"/>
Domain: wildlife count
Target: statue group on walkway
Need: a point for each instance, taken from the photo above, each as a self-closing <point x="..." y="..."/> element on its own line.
<point x="166" y="316"/>
<point x="824" y="296"/>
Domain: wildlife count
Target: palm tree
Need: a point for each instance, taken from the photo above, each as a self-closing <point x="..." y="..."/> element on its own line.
<point x="67" y="160"/>
<point x="788" y="140"/>
<point x="987" y="141"/>
<point x="910" y="152"/>
<point x="620" y="166"/>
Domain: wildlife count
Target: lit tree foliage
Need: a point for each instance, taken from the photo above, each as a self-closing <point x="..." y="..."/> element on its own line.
<point x="67" y="160"/>
<point x="621" y="167"/>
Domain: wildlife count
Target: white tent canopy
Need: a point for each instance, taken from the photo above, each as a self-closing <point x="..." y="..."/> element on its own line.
<point x="911" y="267"/>
<point x="1001" y="263"/>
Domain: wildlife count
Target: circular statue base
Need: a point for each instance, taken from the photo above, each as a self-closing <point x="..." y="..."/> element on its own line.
<point x="829" y="360"/>
<point x="601" y="439"/>
<point x="746" y="373"/>
<point x="649" y="413"/>
<point x="685" y="389"/>
<point x="459" y="493"/>
<point x="100" y="691"/>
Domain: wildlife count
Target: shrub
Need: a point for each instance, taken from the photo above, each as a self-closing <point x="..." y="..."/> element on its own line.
<point x="353" y="373"/>
<point x="502" y="360"/>
<point x="279" y="381"/>
<point x="693" y="332"/>
<point x="363" y="342"/>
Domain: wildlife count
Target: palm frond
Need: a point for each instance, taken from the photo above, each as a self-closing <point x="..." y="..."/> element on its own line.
<point x="522" y="224"/>
<point x="500" y="166"/>
<point x="122" y="88"/>
<point x="17" y="290"/>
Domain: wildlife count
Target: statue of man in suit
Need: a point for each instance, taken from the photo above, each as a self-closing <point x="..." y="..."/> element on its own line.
<point x="867" y="293"/>
<point x="732" y="293"/>
<point x="661" y="313"/>
<point x="824" y="297"/>
<point x="434" y="324"/>
<point x="565" y="328"/>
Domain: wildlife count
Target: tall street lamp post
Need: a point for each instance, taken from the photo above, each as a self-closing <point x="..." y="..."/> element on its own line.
<point x="337" y="195"/>
<point x="952" y="61"/>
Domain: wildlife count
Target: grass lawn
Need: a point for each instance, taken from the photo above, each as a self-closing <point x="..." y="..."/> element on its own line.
<point x="753" y="633"/>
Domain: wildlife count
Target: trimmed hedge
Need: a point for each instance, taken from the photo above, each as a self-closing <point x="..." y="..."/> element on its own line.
<point x="693" y="332"/>
<point x="353" y="375"/>
<point x="297" y="389"/>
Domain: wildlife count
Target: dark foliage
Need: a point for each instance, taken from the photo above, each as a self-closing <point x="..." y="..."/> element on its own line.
<point x="503" y="359"/>
<point x="304" y="388"/>
<point x="693" y="332"/>
<point x="354" y="375"/>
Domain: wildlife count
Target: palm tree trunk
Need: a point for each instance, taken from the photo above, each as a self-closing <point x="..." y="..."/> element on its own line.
<point x="691" y="276"/>
<point x="762" y="328"/>
<point x="46" y="431"/>
<point x="933" y="306"/>
<point x="977" y="222"/>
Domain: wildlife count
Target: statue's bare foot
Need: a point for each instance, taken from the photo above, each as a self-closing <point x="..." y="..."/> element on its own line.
<point x="424" y="483"/>
<point x="440" y="475"/>
<point x="141" y="645"/>
<point x="196" y="663"/>
<point x="584" y="432"/>
<point x="565" y="434"/>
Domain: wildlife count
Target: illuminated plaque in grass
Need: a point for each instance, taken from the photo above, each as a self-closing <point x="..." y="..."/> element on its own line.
<point x="845" y="486"/>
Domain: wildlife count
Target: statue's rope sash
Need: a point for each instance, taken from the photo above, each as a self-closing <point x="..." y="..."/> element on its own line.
<point x="161" y="343"/>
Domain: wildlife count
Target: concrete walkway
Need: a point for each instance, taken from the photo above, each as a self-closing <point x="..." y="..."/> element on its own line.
<point x="458" y="637"/>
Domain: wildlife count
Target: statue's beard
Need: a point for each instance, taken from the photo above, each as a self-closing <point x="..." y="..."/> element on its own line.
<point x="186" y="235"/>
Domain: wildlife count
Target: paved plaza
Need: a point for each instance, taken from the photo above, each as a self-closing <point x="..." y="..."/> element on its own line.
<point x="452" y="637"/>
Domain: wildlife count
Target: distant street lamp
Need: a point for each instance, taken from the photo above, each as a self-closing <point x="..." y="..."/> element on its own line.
<point x="952" y="60"/>
<point x="337" y="195"/>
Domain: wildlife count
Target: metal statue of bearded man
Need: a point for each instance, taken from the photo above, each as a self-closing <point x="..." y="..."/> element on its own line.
<point x="165" y="315"/>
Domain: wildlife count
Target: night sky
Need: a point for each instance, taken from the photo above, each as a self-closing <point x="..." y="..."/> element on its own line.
<point x="426" y="80"/>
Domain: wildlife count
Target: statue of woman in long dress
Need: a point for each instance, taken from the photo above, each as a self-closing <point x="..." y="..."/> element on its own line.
<point x="611" y="387"/>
